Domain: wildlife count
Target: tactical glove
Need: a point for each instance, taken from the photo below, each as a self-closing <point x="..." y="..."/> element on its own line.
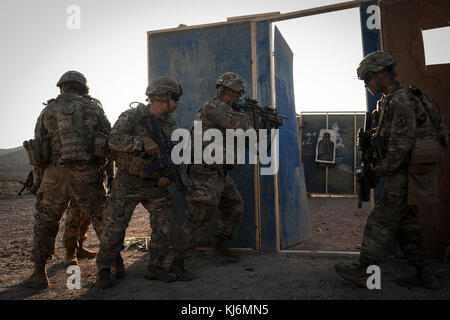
<point x="164" y="182"/>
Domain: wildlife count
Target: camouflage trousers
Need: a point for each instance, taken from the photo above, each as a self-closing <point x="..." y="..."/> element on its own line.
<point x="82" y="185"/>
<point x="76" y="226"/>
<point x="216" y="191"/>
<point x="392" y="219"/>
<point x="127" y="192"/>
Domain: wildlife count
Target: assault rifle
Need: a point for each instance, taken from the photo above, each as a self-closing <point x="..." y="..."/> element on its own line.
<point x="165" y="161"/>
<point x="28" y="183"/>
<point x="266" y="114"/>
<point x="365" y="174"/>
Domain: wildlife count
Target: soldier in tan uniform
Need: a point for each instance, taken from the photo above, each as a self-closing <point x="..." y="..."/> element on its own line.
<point x="70" y="146"/>
<point x="76" y="227"/>
<point x="131" y="140"/>
<point x="408" y="138"/>
<point x="212" y="187"/>
<point x="77" y="221"/>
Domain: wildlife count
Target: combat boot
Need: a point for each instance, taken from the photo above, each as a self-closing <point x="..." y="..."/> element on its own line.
<point x="84" y="253"/>
<point x="71" y="257"/>
<point x="424" y="278"/>
<point x="159" y="273"/>
<point x="119" y="269"/>
<point x="38" y="279"/>
<point x="356" y="274"/>
<point x="177" y="267"/>
<point x="103" y="280"/>
<point x="221" y="249"/>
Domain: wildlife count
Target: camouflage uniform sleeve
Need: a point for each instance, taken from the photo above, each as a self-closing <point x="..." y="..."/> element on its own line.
<point x="121" y="137"/>
<point x="39" y="130"/>
<point x="104" y="122"/>
<point x="225" y="119"/>
<point x="402" y="133"/>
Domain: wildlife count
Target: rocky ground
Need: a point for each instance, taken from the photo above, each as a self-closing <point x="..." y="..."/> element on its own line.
<point x="336" y="225"/>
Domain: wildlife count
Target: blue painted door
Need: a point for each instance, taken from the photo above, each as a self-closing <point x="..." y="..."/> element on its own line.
<point x="196" y="58"/>
<point x="294" y="218"/>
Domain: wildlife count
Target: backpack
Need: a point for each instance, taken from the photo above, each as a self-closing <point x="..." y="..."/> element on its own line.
<point x="433" y="113"/>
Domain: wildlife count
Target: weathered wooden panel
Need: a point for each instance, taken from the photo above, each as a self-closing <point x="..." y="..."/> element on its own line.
<point x="293" y="203"/>
<point x="196" y="58"/>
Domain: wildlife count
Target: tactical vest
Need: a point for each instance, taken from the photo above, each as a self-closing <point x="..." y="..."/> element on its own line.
<point x="134" y="163"/>
<point x="77" y="123"/>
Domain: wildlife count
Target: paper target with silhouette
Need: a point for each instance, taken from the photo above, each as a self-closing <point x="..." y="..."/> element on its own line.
<point x="326" y="147"/>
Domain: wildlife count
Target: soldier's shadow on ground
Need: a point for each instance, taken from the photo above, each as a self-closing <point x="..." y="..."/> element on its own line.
<point x="135" y="286"/>
<point x="125" y="288"/>
<point x="19" y="292"/>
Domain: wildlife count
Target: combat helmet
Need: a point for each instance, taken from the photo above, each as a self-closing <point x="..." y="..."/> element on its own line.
<point x="375" y="62"/>
<point x="232" y="81"/>
<point x="73" y="76"/>
<point x="162" y="86"/>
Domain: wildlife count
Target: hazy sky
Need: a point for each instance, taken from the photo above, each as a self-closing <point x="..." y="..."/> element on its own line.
<point x="110" y="48"/>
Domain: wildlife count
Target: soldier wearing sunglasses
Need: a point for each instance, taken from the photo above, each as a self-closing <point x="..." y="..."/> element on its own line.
<point x="134" y="149"/>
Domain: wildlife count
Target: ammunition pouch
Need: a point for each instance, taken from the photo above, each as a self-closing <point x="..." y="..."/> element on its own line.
<point x="38" y="152"/>
<point x="37" y="180"/>
<point x="137" y="165"/>
<point x="101" y="149"/>
<point x="422" y="171"/>
<point x="426" y="150"/>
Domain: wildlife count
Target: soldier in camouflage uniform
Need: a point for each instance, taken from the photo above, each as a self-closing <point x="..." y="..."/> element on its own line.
<point x="77" y="225"/>
<point x="212" y="187"/>
<point x="77" y="221"/>
<point x="70" y="146"/>
<point x="134" y="148"/>
<point x="408" y="138"/>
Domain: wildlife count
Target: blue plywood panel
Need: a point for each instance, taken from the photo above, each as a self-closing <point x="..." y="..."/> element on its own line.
<point x="267" y="204"/>
<point x="293" y="203"/>
<point x="195" y="58"/>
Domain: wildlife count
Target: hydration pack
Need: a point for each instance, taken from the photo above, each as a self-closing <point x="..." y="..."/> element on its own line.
<point x="433" y="114"/>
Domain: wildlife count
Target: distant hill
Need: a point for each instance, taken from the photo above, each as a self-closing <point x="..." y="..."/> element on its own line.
<point x="14" y="164"/>
<point x="6" y="151"/>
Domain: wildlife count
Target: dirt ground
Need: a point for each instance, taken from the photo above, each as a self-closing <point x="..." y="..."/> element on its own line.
<point x="337" y="224"/>
<point x="265" y="276"/>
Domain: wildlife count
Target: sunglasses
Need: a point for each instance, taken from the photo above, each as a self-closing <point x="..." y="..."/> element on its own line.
<point x="367" y="78"/>
<point x="175" y="97"/>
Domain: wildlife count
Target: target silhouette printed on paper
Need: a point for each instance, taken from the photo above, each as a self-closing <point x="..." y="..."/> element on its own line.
<point x="326" y="146"/>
